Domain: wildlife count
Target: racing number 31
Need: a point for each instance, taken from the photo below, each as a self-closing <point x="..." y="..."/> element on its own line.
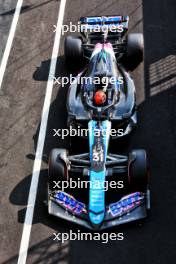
<point x="98" y="156"/>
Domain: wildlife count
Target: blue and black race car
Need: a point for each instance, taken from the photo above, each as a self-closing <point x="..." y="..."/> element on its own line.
<point x="101" y="106"/>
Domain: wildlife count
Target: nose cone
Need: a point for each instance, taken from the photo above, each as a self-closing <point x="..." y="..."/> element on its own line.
<point x="96" y="218"/>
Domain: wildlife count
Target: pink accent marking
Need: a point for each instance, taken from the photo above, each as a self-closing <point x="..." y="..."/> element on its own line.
<point x="98" y="45"/>
<point x="108" y="45"/>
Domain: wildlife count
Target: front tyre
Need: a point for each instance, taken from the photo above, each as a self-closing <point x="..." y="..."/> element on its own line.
<point x="138" y="170"/>
<point x="57" y="170"/>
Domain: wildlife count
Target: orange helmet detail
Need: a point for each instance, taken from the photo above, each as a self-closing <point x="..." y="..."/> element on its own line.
<point x="99" y="97"/>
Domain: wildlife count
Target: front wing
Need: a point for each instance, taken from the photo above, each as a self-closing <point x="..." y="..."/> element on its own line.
<point x="130" y="208"/>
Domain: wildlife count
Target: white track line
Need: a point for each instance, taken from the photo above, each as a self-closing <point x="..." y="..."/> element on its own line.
<point x="10" y="40"/>
<point x="40" y="144"/>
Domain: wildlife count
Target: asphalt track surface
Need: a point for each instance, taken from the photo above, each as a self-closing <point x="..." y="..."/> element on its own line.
<point x="21" y="103"/>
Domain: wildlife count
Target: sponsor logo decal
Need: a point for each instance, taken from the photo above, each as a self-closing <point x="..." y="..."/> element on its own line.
<point x="126" y="204"/>
<point x="69" y="202"/>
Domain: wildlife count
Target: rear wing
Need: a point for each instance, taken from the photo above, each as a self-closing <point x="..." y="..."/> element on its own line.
<point x="92" y="24"/>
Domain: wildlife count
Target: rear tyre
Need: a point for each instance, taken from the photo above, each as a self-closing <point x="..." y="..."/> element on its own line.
<point x="135" y="48"/>
<point x="73" y="50"/>
<point x="138" y="170"/>
<point x="57" y="170"/>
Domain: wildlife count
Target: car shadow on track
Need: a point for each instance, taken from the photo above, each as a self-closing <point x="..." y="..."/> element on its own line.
<point x="57" y="119"/>
<point x="58" y="113"/>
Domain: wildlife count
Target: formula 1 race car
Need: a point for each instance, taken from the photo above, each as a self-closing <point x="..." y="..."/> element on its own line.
<point x="109" y="103"/>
